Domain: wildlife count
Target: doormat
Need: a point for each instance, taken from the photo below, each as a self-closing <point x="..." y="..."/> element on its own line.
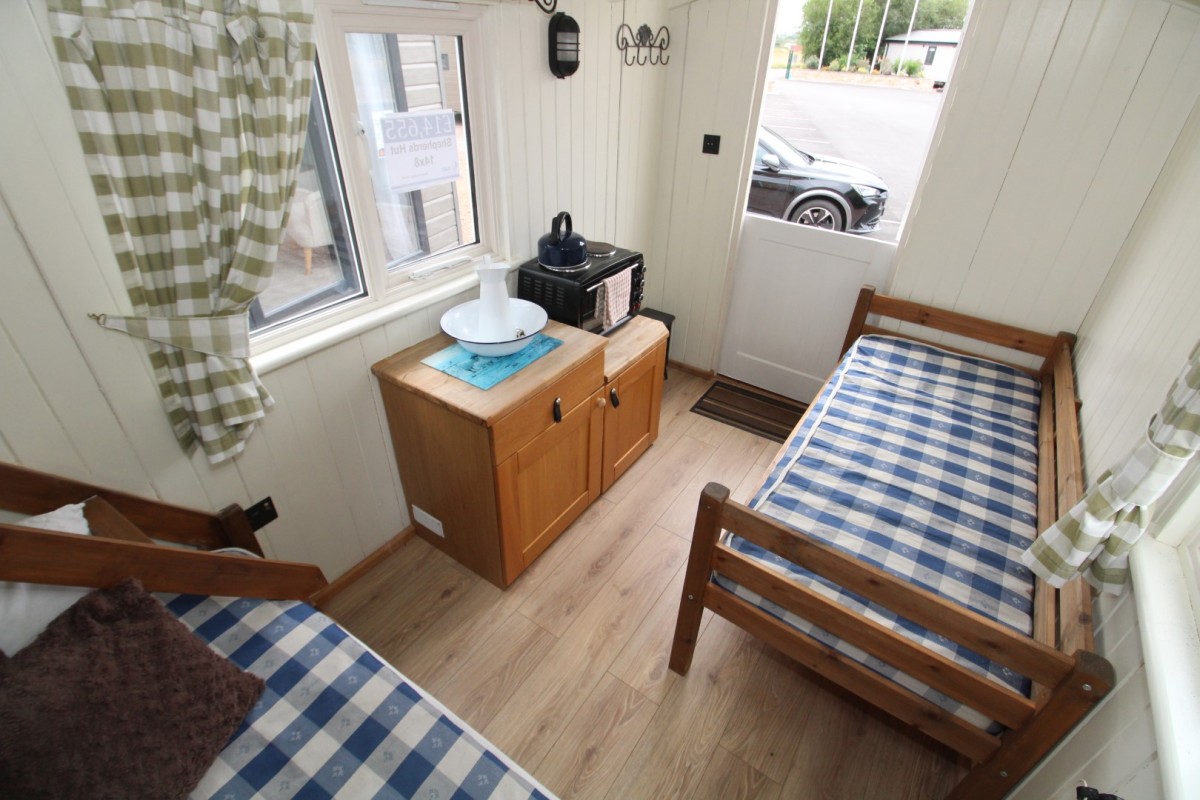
<point x="751" y="410"/>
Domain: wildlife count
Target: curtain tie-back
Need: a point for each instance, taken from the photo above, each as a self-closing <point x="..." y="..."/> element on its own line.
<point x="226" y="335"/>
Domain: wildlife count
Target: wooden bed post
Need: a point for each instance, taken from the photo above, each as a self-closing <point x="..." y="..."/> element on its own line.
<point x="695" y="580"/>
<point x="237" y="527"/>
<point x="1020" y="751"/>
<point x="859" y="318"/>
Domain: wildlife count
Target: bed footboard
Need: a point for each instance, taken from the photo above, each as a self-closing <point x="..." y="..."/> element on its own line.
<point x="1072" y="684"/>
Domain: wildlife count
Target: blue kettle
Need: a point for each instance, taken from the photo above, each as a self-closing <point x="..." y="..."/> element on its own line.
<point x="562" y="250"/>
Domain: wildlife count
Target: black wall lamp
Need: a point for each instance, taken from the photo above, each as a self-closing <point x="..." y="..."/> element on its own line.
<point x="564" y="45"/>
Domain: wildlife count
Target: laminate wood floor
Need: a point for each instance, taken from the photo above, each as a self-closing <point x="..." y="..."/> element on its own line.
<point x="566" y="670"/>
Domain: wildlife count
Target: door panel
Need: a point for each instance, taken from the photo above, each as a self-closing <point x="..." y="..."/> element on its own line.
<point x="557" y="476"/>
<point x="794" y="288"/>
<point x="631" y="427"/>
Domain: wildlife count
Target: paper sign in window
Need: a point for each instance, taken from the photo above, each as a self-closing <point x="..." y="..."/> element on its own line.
<point x="418" y="148"/>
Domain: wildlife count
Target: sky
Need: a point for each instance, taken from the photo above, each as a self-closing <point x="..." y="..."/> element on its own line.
<point x="791" y="14"/>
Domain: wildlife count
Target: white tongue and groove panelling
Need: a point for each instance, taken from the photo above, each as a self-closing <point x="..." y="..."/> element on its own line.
<point x="1058" y="120"/>
<point x="587" y="144"/>
<point x="714" y="87"/>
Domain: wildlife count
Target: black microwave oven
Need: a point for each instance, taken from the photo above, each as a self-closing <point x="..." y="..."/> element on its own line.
<point x="573" y="297"/>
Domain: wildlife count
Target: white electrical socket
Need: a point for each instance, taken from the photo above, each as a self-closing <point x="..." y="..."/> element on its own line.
<point x="428" y="521"/>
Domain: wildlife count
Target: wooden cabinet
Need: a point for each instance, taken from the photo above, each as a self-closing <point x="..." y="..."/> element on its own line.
<point x="496" y="470"/>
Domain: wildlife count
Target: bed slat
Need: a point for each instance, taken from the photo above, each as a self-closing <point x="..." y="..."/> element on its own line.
<point x="1074" y="599"/>
<point x="28" y="491"/>
<point x="875" y="689"/>
<point x="28" y="554"/>
<point x="1066" y="431"/>
<point x="943" y="674"/>
<point x="1038" y="344"/>
<point x="991" y="639"/>
<point x="104" y="520"/>
<point x="1045" y="596"/>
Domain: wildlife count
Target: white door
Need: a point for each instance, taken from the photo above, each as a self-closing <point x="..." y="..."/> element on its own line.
<point x="794" y="289"/>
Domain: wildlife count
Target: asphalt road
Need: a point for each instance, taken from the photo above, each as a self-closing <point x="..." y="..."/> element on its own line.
<point x="887" y="130"/>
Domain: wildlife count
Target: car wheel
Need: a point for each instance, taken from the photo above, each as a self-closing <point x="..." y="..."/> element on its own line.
<point x="818" y="213"/>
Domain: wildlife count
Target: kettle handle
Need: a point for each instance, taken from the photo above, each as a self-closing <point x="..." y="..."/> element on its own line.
<point x="556" y="223"/>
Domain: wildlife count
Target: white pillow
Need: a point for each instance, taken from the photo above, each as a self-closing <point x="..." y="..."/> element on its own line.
<point x="27" y="608"/>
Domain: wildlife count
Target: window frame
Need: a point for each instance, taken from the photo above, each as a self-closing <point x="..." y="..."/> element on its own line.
<point x="1178" y="526"/>
<point x="388" y="294"/>
<point x="329" y="169"/>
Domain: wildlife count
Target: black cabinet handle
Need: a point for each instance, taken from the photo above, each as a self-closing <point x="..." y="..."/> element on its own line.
<point x="558" y="409"/>
<point x="616" y="401"/>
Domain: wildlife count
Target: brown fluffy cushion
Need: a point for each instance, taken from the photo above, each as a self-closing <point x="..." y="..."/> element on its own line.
<point x="116" y="699"/>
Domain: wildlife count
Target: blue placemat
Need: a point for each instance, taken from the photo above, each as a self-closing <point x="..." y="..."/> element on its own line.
<point x="486" y="371"/>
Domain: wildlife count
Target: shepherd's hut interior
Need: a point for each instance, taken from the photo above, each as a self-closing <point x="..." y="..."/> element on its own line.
<point x="355" y="357"/>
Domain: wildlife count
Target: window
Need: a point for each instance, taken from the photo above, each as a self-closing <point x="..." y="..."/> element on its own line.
<point x="317" y="266"/>
<point x="397" y="80"/>
<point x="929" y="54"/>
<point x="387" y="194"/>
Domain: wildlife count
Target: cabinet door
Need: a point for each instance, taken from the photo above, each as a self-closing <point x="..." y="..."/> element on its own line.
<point x="631" y="415"/>
<point x="549" y="482"/>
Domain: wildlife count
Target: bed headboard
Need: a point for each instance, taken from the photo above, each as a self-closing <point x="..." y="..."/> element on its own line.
<point x="167" y="547"/>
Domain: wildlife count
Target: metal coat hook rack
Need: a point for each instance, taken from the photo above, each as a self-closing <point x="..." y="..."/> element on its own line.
<point x="546" y="5"/>
<point x="645" y="46"/>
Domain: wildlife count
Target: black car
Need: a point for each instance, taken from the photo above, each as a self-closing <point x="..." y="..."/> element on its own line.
<point x="814" y="190"/>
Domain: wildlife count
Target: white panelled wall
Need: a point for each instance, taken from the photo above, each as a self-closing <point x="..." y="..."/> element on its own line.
<point x="715" y="87"/>
<point x="1057" y="123"/>
<point x="587" y="144"/>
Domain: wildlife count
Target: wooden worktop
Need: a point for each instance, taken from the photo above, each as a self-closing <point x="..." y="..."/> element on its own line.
<point x="621" y="348"/>
<point x="630" y="342"/>
<point x="405" y="369"/>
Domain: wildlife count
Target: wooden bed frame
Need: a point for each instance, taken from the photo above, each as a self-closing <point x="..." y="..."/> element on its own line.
<point x="127" y="539"/>
<point x="1069" y="679"/>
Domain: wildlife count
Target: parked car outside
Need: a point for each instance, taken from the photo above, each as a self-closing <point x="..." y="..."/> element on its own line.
<point x="820" y="191"/>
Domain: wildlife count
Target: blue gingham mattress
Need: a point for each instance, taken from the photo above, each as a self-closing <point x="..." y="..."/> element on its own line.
<point x="335" y="720"/>
<point x="923" y="463"/>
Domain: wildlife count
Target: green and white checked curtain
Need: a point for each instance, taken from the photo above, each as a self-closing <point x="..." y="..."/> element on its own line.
<point x="1095" y="536"/>
<point x="192" y="116"/>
